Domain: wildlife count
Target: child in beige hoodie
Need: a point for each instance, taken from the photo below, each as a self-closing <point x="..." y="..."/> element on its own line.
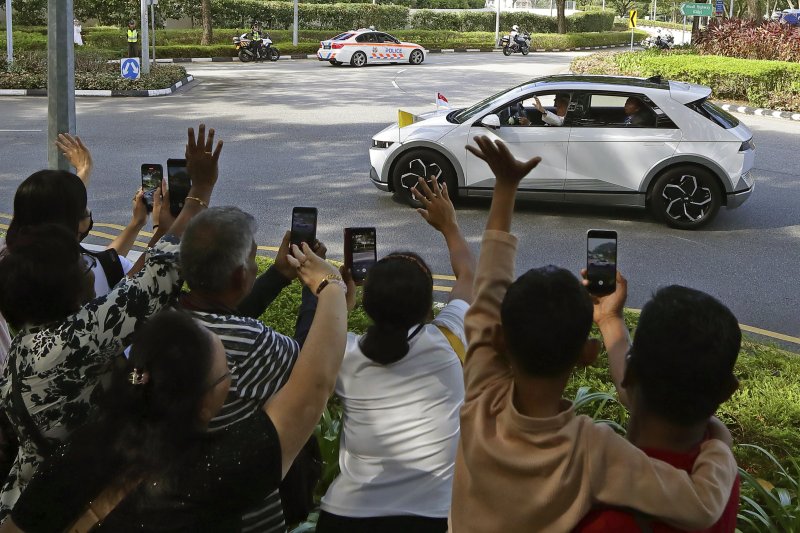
<point x="526" y="461"/>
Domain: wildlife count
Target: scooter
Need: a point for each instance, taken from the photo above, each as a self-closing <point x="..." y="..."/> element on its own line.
<point x="510" y="46"/>
<point x="263" y="52"/>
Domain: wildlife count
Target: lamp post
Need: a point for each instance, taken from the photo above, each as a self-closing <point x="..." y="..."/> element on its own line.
<point x="145" y="29"/>
<point x="60" y="78"/>
<point x="9" y="36"/>
<point x="497" y="23"/>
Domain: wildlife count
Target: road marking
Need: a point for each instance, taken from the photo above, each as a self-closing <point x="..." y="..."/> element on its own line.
<point x="395" y="84"/>
<point x="18" y="131"/>
<point x="439" y="288"/>
<point x="401" y="71"/>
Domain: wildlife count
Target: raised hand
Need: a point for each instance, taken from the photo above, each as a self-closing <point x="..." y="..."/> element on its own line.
<point x="139" y="209"/>
<point x="282" y="264"/>
<point x="201" y="162"/>
<point x="77" y="154"/>
<point x="506" y="168"/>
<point x="311" y="269"/>
<point x="347" y="277"/>
<point x="437" y="208"/>
<point x="162" y="216"/>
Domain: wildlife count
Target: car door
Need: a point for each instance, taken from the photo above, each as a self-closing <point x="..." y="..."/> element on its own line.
<point x="610" y="153"/>
<point x="546" y="182"/>
<point x="390" y="47"/>
<point x="368" y="43"/>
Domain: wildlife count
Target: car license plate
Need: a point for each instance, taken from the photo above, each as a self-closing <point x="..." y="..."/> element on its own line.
<point x="327" y="47"/>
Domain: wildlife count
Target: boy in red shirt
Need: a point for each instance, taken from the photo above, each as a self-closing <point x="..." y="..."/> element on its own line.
<point x="674" y="377"/>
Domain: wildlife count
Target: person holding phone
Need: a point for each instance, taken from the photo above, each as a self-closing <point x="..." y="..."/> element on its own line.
<point x="401" y="388"/>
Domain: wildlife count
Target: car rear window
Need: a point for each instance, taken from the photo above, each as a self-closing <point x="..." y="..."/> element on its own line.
<point x="342" y="36"/>
<point x="714" y="113"/>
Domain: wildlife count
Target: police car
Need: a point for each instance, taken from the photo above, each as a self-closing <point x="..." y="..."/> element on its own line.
<point x="359" y="47"/>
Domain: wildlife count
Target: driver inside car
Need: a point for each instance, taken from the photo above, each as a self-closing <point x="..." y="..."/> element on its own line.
<point x="548" y="117"/>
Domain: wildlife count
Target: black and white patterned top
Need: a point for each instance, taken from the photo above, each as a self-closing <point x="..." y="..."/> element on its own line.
<point x="260" y="360"/>
<point x="60" y="364"/>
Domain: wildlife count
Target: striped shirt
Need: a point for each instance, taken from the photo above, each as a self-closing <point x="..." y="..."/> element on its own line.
<point x="260" y="360"/>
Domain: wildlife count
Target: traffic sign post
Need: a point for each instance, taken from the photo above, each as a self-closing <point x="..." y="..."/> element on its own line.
<point x="720" y="8"/>
<point x="697" y="10"/>
<point x="130" y="68"/>
<point x="632" y="17"/>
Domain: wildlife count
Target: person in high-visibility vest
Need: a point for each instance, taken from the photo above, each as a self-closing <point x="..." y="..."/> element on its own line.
<point x="133" y="39"/>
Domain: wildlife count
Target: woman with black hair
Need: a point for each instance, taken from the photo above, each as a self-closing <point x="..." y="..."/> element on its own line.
<point x="401" y="388"/>
<point x="65" y="336"/>
<point x="147" y="463"/>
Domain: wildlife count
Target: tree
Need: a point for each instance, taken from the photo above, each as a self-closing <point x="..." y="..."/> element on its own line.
<point x="560" y="15"/>
<point x="205" y="13"/>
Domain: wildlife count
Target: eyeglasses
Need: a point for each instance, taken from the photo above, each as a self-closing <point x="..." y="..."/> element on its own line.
<point x="88" y="262"/>
<point x="231" y="371"/>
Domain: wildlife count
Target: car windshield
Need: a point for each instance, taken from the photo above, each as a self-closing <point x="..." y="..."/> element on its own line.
<point x="487" y="103"/>
<point x="714" y="113"/>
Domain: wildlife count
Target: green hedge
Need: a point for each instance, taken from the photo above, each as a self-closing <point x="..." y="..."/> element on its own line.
<point x="413" y="4"/>
<point x="770" y="84"/>
<point x="531" y="22"/>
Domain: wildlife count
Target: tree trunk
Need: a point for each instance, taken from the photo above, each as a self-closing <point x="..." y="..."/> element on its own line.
<point x="561" y="6"/>
<point x="205" y="8"/>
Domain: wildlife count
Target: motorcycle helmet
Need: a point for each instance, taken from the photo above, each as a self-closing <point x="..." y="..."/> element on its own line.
<point x="514" y="28"/>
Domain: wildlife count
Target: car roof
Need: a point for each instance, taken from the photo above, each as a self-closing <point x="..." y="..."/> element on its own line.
<point x="628" y="81"/>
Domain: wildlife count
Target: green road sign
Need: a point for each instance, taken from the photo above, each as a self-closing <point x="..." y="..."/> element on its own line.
<point x="697" y="10"/>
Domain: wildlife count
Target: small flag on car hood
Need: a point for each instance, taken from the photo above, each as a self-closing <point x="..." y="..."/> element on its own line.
<point x="441" y="101"/>
<point x="404" y="118"/>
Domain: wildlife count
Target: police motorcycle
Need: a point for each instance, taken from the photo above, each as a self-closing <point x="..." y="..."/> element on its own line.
<point x="247" y="52"/>
<point x="520" y="44"/>
<point x="657" y="41"/>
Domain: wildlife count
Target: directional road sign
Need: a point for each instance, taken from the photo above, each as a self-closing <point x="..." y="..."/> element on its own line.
<point x="129" y="68"/>
<point x="697" y="10"/>
<point x="719" y="8"/>
<point x="632" y="16"/>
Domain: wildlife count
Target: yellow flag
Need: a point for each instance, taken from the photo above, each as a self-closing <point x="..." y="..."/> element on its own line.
<point x="404" y="118"/>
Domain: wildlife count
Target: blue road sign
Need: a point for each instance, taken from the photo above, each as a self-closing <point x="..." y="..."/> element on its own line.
<point x="720" y="8"/>
<point x="129" y="68"/>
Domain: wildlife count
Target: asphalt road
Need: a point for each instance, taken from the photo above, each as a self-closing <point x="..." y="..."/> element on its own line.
<point x="297" y="133"/>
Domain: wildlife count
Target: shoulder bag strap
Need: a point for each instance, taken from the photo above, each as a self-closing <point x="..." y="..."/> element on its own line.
<point x="112" y="267"/>
<point x="99" y="508"/>
<point x="454" y="341"/>
<point x="43" y="445"/>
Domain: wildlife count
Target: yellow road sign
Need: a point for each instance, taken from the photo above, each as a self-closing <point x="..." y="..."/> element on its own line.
<point x="633" y="15"/>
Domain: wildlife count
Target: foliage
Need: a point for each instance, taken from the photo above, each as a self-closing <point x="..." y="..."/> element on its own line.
<point x="92" y="71"/>
<point x="774" y="505"/>
<point x="771" y="84"/>
<point x="662" y="24"/>
<point x="485" y="21"/>
<point x="750" y="40"/>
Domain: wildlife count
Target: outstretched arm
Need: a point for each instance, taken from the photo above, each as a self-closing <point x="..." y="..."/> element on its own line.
<point x="78" y="156"/>
<point x="124" y="241"/>
<point x="438" y="211"/>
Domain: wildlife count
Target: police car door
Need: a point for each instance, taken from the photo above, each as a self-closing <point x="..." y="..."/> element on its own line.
<point x="391" y="47"/>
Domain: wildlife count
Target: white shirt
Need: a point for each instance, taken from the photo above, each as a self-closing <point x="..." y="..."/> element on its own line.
<point x="77" y="38"/>
<point x="101" y="287"/>
<point x="552" y="119"/>
<point x="401" y="426"/>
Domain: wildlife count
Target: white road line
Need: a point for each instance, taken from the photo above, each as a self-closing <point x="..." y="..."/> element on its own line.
<point x="395" y="84"/>
<point x="14" y="131"/>
<point x="401" y="71"/>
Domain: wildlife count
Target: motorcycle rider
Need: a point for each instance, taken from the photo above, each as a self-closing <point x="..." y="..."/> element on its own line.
<point x="516" y="36"/>
<point x="255" y="39"/>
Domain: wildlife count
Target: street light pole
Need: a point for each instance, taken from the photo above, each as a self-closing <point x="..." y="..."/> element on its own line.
<point x="153" y="26"/>
<point x="294" y="24"/>
<point x="497" y="23"/>
<point x="9" y="36"/>
<point x="145" y="29"/>
<point x="730" y="10"/>
<point x="60" y="78"/>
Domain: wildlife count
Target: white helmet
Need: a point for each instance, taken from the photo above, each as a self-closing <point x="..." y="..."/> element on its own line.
<point x="515" y="28"/>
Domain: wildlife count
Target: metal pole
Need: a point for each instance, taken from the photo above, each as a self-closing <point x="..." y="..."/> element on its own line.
<point x="631" y="39"/>
<point x="604" y="5"/>
<point x="497" y="23"/>
<point x="9" y="36"/>
<point x="294" y="24"/>
<point x="730" y="10"/>
<point x="153" y="25"/>
<point x="551" y="8"/>
<point x="60" y="78"/>
<point x="145" y="29"/>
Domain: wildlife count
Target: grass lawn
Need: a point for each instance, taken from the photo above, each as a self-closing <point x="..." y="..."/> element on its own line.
<point x="765" y="411"/>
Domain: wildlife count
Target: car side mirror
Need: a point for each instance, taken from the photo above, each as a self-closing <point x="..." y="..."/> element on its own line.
<point x="491" y="122"/>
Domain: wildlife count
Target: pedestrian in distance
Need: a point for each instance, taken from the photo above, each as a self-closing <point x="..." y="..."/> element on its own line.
<point x="133" y="39"/>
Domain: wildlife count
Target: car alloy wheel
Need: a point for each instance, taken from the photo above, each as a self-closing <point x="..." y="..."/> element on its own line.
<point x="416" y="57"/>
<point x="686" y="197"/>
<point x="421" y="164"/>
<point x="359" y="59"/>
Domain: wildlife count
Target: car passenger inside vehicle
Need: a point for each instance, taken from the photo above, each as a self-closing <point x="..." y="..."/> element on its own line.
<point x="524" y="113"/>
<point x="614" y="110"/>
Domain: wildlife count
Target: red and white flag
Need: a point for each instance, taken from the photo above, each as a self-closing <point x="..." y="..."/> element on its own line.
<point x="441" y="101"/>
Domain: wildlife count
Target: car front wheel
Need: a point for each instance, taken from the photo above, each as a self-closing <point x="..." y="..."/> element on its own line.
<point x="416" y="57"/>
<point x="417" y="164"/>
<point x="359" y="59"/>
<point x="686" y="197"/>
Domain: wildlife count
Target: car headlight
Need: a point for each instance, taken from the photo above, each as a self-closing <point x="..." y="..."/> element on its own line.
<point x="381" y="144"/>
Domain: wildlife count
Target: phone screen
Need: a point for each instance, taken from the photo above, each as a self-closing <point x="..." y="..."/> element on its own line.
<point x="601" y="261"/>
<point x="179" y="184"/>
<point x="304" y="225"/>
<point x="361" y="251"/>
<point x="152" y="176"/>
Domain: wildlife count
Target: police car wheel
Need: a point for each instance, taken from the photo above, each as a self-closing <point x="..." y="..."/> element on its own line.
<point x="416" y="57"/>
<point x="359" y="59"/>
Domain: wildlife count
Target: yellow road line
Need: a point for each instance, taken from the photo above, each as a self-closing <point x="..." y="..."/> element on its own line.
<point x="439" y="288"/>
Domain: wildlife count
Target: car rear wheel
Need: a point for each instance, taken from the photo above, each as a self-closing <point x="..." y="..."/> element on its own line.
<point x="686" y="197"/>
<point x="416" y="57"/>
<point x="359" y="59"/>
<point x="421" y="163"/>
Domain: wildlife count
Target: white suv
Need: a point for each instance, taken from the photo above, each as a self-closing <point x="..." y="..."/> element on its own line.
<point x="679" y="155"/>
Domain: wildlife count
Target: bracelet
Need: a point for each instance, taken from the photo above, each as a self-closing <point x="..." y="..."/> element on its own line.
<point x="198" y="200"/>
<point x="334" y="279"/>
<point x="155" y="226"/>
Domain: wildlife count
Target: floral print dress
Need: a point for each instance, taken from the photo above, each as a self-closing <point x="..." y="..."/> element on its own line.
<point x="60" y="364"/>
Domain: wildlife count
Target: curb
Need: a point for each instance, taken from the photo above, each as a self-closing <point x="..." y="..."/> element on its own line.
<point x="759" y="111"/>
<point x="85" y="92"/>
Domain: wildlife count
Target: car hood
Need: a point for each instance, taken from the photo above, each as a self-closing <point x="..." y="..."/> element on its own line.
<point x="430" y="126"/>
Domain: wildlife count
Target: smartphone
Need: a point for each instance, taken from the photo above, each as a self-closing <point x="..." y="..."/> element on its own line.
<point x="179" y="184"/>
<point x="601" y="261"/>
<point x="360" y="252"/>
<point x="304" y="225"/>
<point x="152" y="176"/>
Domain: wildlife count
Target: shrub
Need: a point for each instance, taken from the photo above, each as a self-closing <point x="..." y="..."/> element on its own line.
<point x="747" y="39"/>
<point x="775" y="503"/>
<point x="772" y="84"/>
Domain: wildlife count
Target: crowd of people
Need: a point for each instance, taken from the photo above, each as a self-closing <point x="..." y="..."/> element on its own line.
<point x="148" y="396"/>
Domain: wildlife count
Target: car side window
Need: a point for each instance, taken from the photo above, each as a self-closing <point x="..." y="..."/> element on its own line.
<point x="511" y="115"/>
<point x="386" y="38"/>
<point x="604" y="110"/>
<point x="366" y="38"/>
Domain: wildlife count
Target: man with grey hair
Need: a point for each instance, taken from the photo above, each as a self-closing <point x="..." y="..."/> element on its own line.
<point x="218" y="263"/>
